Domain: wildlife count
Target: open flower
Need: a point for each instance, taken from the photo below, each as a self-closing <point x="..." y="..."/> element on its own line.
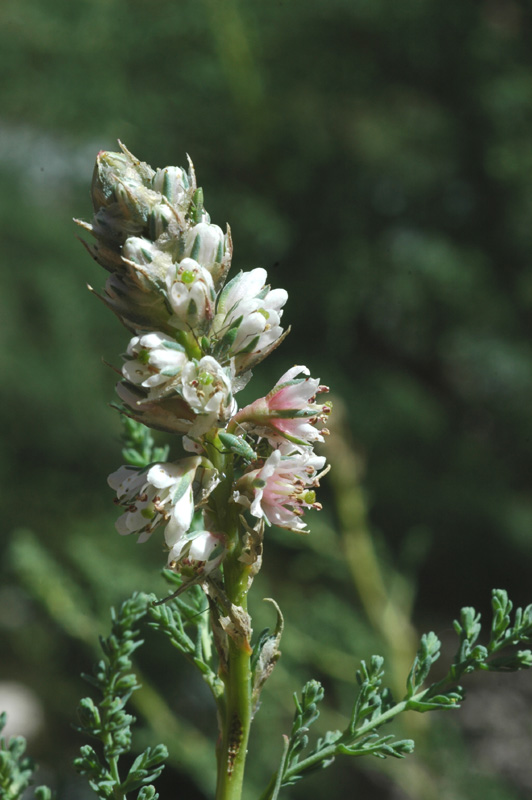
<point x="206" y="387"/>
<point x="247" y="319"/>
<point x="289" y="411"/>
<point x="195" y="552"/>
<point x="283" y="488"/>
<point x="161" y="494"/>
<point x="191" y="295"/>
<point x="154" y="361"/>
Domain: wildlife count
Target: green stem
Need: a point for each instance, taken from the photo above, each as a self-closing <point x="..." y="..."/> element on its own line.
<point x="236" y="712"/>
<point x="236" y="720"/>
<point x="233" y="747"/>
<point x="112" y="761"/>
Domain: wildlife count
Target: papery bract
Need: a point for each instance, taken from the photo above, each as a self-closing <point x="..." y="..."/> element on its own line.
<point x="171" y="414"/>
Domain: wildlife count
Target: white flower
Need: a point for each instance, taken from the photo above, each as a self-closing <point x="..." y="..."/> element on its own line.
<point x="247" y="318"/>
<point x="173" y="183"/>
<point x="206" y="387"/>
<point x="205" y="243"/>
<point x="140" y="250"/>
<point x="191" y="295"/>
<point x="147" y="262"/>
<point x="283" y="488"/>
<point x="154" y="360"/>
<point x="162" y="493"/>
<point x="194" y="546"/>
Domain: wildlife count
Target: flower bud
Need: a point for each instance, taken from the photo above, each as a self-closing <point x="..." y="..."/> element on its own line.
<point x="141" y="251"/>
<point x="112" y="172"/>
<point x="175" y="184"/>
<point x="121" y="189"/>
<point x="209" y="246"/>
<point x="196" y="553"/>
<point x="165" y="222"/>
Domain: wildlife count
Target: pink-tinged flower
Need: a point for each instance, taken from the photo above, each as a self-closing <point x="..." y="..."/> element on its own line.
<point x="283" y="488"/>
<point x="289" y="411"/>
<point x="151" y="497"/>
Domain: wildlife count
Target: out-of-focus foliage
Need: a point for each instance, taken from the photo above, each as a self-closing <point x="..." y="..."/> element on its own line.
<point x="376" y="158"/>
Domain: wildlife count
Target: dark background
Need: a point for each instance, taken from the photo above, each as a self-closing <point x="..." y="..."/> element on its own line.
<point x="376" y="158"/>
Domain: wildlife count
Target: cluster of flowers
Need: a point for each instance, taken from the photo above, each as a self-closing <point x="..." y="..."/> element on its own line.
<point x="195" y="341"/>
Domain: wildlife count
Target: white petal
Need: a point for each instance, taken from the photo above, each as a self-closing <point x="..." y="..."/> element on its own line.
<point x="248" y="285"/>
<point x="180" y="519"/>
<point x="131" y="348"/>
<point x="160" y="477"/>
<point x="117" y="478"/>
<point x="121" y="525"/>
<point x="292" y="373"/>
<point x="276" y="299"/>
<point x="202" y="546"/>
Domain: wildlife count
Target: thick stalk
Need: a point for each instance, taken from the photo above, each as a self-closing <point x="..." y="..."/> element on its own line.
<point x="235" y="717"/>
<point x="232" y="750"/>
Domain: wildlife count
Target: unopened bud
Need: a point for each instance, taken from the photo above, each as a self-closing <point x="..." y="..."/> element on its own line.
<point x="175" y="184"/>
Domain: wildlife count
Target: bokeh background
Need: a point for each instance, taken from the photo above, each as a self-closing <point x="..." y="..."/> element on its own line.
<point x="376" y="158"/>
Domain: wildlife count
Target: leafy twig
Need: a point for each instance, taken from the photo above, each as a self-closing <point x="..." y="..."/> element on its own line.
<point x="139" y="447"/>
<point x="374" y="705"/>
<point x="172" y="618"/>
<point x="108" y="721"/>
<point x="16" y="768"/>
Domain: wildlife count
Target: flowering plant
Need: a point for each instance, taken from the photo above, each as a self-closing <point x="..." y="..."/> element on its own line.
<point x="194" y="340"/>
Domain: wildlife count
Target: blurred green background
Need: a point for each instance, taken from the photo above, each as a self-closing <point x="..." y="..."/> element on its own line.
<point x="376" y="158"/>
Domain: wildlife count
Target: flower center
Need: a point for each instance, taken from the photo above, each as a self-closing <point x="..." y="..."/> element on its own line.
<point x="187" y="276"/>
